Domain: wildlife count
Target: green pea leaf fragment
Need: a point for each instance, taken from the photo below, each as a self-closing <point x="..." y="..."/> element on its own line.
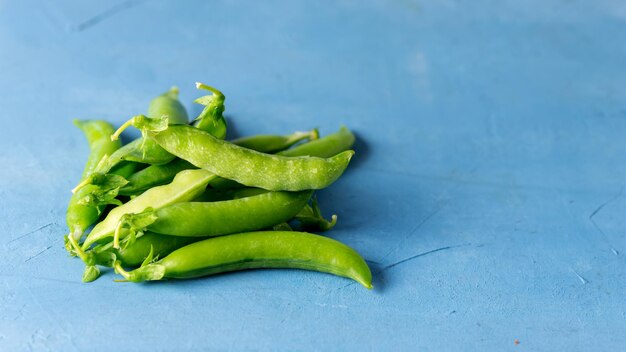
<point x="310" y="217"/>
<point x="108" y="188"/>
<point x="135" y="224"/>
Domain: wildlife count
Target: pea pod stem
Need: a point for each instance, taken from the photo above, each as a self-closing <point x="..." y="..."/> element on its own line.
<point x="120" y="270"/>
<point x="78" y="250"/>
<point x="211" y="119"/>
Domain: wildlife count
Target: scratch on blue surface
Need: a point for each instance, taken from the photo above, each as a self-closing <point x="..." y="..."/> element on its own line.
<point x="38" y="254"/>
<point x="392" y="265"/>
<point x="107" y="14"/>
<point x="420" y="255"/>
<point x="416" y="228"/>
<point x="31" y="232"/>
<point x="600" y="207"/>
<point x="582" y="279"/>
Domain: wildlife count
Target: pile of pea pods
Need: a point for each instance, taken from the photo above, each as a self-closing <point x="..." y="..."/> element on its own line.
<point x="182" y="202"/>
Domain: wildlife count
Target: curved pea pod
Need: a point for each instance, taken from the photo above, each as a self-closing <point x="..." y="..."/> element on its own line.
<point x="187" y="185"/>
<point x="98" y="134"/>
<point x="145" y="150"/>
<point x="168" y="109"/>
<point x="80" y="216"/>
<point x="324" y="147"/>
<point x="167" y="104"/>
<point x="205" y="219"/>
<point x="135" y="254"/>
<point x="248" y="167"/>
<point x="255" y="250"/>
<point x="154" y="175"/>
<point x="267" y="143"/>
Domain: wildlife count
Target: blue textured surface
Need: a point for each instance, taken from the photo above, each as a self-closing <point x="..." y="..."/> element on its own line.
<point x="491" y="152"/>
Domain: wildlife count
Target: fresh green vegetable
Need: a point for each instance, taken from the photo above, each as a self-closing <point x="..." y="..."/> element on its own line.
<point x="80" y="216"/>
<point x="165" y="106"/>
<point x="156" y="175"/>
<point x="267" y="143"/>
<point x="255" y="250"/>
<point x="135" y="254"/>
<point x="187" y="185"/>
<point x="168" y="221"/>
<point x="325" y="147"/>
<point x="193" y="219"/>
<point x="248" y="167"/>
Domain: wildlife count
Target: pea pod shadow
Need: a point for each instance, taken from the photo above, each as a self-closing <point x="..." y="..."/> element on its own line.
<point x="362" y="151"/>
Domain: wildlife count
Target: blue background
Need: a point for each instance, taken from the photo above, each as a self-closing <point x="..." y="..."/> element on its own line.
<point x="487" y="190"/>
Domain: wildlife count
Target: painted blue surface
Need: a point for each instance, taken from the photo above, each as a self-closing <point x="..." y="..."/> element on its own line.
<point x="491" y="151"/>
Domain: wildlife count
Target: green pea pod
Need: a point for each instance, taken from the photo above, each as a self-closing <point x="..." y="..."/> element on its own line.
<point x="254" y="250"/>
<point x="187" y="185"/>
<point x="135" y="254"/>
<point x="167" y="104"/>
<point x="265" y="143"/>
<point x="79" y="216"/>
<point x="325" y="147"/>
<point x="245" y="166"/>
<point x="202" y="219"/>
<point x="165" y="107"/>
<point x="156" y="175"/>
<point x="211" y="119"/>
<point x="214" y="195"/>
